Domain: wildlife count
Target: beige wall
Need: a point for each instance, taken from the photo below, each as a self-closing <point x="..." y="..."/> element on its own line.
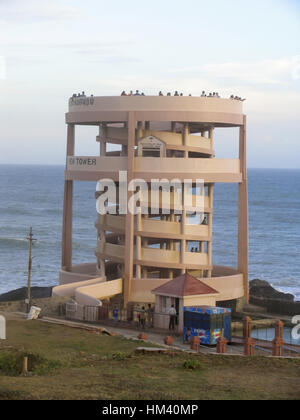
<point x="200" y="300"/>
<point x="229" y="287"/>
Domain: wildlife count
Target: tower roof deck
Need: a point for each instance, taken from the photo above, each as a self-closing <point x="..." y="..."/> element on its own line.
<point x="218" y="112"/>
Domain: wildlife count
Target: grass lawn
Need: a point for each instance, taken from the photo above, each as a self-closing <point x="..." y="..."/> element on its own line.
<point x="77" y="364"/>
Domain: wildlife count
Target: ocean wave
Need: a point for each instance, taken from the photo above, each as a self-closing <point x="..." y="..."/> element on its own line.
<point x="9" y="240"/>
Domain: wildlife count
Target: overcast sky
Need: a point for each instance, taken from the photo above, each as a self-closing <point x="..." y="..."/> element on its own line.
<point x="50" y="49"/>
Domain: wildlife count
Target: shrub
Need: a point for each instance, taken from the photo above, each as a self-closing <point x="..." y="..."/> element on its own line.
<point x="119" y="356"/>
<point x="192" y="364"/>
<point x="11" y="363"/>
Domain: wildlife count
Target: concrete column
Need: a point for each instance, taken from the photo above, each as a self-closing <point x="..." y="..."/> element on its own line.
<point x="68" y="206"/>
<point x="129" y="230"/>
<point x="183" y="241"/>
<point x="243" y="224"/>
<point x="103" y="136"/>
<point x="210" y="227"/>
<point x="211" y="137"/>
<point x="185" y="135"/>
<point x="139" y="246"/>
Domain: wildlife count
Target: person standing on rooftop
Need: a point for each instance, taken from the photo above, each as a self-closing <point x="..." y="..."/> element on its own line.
<point x="123" y="93"/>
<point x="203" y="94"/>
<point x="137" y="93"/>
<point x="160" y="93"/>
<point x="131" y="93"/>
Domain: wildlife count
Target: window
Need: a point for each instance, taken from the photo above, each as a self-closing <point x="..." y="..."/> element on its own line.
<point x="155" y="152"/>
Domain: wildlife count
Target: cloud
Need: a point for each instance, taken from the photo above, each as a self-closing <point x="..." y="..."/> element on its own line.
<point x="279" y="72"/>
<point x="36" y="11"/>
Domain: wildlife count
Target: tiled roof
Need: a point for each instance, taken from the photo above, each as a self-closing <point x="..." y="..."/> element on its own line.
<point x="185" y="285"/>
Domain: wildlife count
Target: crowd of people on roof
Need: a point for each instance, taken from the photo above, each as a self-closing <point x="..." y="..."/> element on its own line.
<point x="80" y="95"/>
<point x="176" y="93"/>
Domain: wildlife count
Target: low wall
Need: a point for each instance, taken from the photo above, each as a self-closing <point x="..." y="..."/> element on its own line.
<point x="70" y="288"/>
<point x="276" y="306"/>
<point x="78" y="272"/>
<point x="91" y="295"/>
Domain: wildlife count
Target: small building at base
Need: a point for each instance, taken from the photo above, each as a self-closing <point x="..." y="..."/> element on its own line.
<point x="182" y="292"/>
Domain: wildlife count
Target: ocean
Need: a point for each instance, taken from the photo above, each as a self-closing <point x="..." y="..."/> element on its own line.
<point x="33" y="196"/>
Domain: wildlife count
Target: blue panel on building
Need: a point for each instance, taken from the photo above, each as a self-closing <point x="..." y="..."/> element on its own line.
<point x="207" y="322"/>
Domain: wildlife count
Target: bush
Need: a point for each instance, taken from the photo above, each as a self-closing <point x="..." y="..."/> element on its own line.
<point x="11" y="363"/>
<point x="192" y="364"/>
<point x="119" y="356"/>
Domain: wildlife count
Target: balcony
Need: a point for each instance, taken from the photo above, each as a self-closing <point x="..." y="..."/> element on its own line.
<point x="89" y="168"/>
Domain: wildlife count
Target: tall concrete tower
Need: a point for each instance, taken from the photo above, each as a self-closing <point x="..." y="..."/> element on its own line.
<point x="157" y="138"/>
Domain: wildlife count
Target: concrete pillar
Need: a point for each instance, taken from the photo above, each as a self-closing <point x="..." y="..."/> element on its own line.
<point x="278" y="347"/>
<point x="68" y="206"/>
<point x="222" y="345"/>
<point x="211" y="137"/>
<point x="279" y="329"/>
<point x="183" y="241"/>
<point x="185" y="135"/>
<point x="103" y="136"/>
<point x="247" y="327"/>
<point x="210" y="228"/>
<point x="129" y="230"/>
<point x="249" y="347"/>
<point x="243" y="223"/>
<point x="195" y="343"/>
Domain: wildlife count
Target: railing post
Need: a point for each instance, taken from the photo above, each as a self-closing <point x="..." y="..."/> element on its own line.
<point x="278" y="342"/>
<point x="222" y="345"/>
<point x="247" y="327"/>
<point x="195" y="343"/>
<point x="249" y="346"/>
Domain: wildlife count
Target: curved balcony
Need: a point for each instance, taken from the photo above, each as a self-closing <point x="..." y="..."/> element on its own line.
<point x="210" y="170"/>
<point x="153" y="228"/>
<point x="155" y="257"/>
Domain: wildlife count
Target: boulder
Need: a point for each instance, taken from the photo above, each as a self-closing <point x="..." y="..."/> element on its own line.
<point x="263" y="289"/>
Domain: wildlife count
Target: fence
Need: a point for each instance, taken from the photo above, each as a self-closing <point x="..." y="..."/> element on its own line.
<point x="133" y="315"/>
<point x="277" y="306"/>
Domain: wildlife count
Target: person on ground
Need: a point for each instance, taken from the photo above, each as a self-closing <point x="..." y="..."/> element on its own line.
<point x="173" y="315"/>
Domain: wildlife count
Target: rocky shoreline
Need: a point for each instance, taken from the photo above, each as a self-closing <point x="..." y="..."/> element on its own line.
<point x="21" y="294"/>
<point x="263" y="289"/>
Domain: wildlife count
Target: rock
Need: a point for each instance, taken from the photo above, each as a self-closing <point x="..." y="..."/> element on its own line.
<point x="21" y="294"/>
<point x="262" y="289"/>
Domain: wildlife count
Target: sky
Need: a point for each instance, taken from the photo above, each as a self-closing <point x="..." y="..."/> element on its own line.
<point x="50" y="49"/>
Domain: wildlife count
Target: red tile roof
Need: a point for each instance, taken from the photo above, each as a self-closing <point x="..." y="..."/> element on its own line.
<point x="185" y="285"/>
